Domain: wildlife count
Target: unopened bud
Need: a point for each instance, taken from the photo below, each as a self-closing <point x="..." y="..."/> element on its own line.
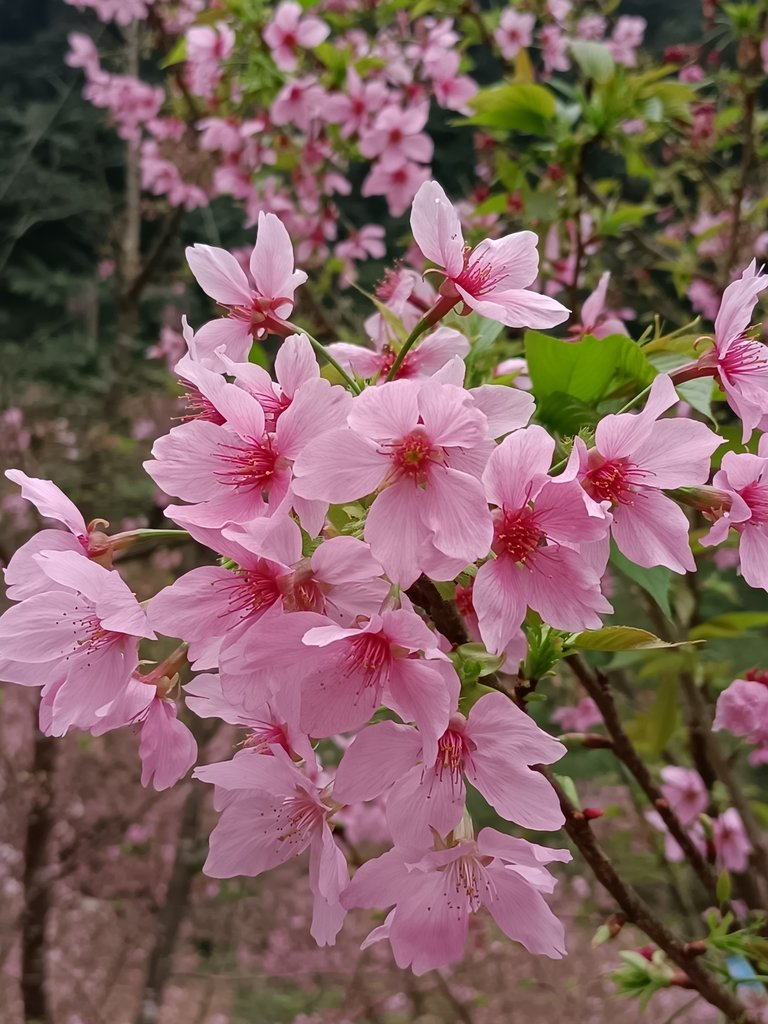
<point x="696" y="948"/>
<point x="590" y="813"/>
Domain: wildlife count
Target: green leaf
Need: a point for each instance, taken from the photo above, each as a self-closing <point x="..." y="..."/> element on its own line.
<point x="585" y="371"/>
<point x="655" y="582"/>
<point x="476" y="653"/>
<point x="177" y="54"/>
<point x="730" y="625"/>
<point x="568" y="786"/>
<point x="594" y="59"/>
<point x="629" y="215"/>
<point x="652" y="730"/>
<point x="516" y="106"/>
<point x="618" y="638"/>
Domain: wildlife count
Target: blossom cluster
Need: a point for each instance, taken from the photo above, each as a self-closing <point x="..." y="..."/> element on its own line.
<point x="332" y="508"/>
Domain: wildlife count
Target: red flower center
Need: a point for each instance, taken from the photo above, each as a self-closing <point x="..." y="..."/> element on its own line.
<point x="412" y="456"/>
<point x="611" y="481"/>
<point x="368" y="656"/>
<point x="518" y="534"/>
<point x="253" y="467"/>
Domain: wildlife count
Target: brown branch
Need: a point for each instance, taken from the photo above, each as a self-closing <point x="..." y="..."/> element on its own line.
<point x="640" y="914"/>
<point x="598" y="688"/>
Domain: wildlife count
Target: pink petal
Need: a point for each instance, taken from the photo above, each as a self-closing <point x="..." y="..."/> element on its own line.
<point x="167" y="748"/>
<point x="518" y="308"/>
<point x="295" y="363"/>
<point x="49" y="501"/>
<point x="389" y="411"/>
<point x="523" y="915"/>
<point x="520" y="461"/>
<point x="621" y="434"/>
<point x="449" y="416"/>
<point x="504" y="407"/>
<point x="418" y="693"/>
<point x="377" y="758"/>
<point x="456" y="511"/>
<point x="272" y="261"/>
<point x="219" y="275"/>
<point x="399" y="551"/>
<point x="513" y="260"/>
<point x="562" y="588"/>
<point x="652" y="531"/>
<point x="340" y="466"/>
<point x="230" y="334"/>
<point x="422" y="799"/>
<point x="753" y="556"/>
<point x="499" y="599"/>
<point x="436" y="228"/>
<point x="677" y="452"/>
<point x="316" y="409"/>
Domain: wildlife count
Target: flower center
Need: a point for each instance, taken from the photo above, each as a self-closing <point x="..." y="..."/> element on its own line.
<point x="91" y="635"/>
<point x="479" y="275"/>
<point x="466" y="884"/>
<point x="265" y="735"/>
<point x="251" y="591"/>
<point x="198" y="407"/>
<point x="756" y="497"/>
<point x="253" y="467"/>
<point x="301" y="591"/>
<point x="611" y="481"/>
<point x="368" y="656"/>
<point x="297" y="818"/>
<point x="412" y="456"/>
<point x="453" y="751"/>
<point x="745" y="357"/>
<point x="518" y="534"/>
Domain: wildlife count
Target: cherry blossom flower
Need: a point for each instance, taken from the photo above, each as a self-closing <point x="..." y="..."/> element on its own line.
<point x="82" y="635"/>
<point x="453" y="90"/>
<point x="539" y="524"/>
<point x="685" y="792"/>
<point x="732" y="845"/>
<point x="435" y="892"/>
<point x="273" y="813"/>
<point x="636" y="457"/>
<point x="253" y="309"/>
<point x="493" y="279"/>
<point x="738" y="362"/>
<point x="742" y="708"/>
<point x="289" y="31"/>
<point x="397" y="182"/>
<point x="744" y="479"/>
<point x="208" y="46"/>
<point x="353" y="109"/>
<point x="429" y="355"/>
<point x="492" y="748"/>
<point x="413" y="442"/>
<point x="397" y="136"/>
<point x="298" y="103"/>
<point x="627" y="35"/>
<point x="578" y="718"/>
<point x="234" y="471"/>
<point x="515" y="32"/>
<point x="554" y="49"/>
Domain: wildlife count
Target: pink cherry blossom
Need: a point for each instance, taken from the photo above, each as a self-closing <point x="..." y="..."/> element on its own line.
<point x="353" y="109"/>
<point x="685" y="792"/>
<point x="515" y="32"/>
<point x="730" y="840"/>
<point x="539" y="524"/>
<point x="744" y="478"/>
<point x="298" y="103"/>
<point x="253" y="308"/>
<point x="579" y="718"/>
<point x="453" y="90"/>
<point x="596" y="319"/>
<point x="493" y="279"/>
<point x="397" y="182"/>
<point x="429" y="355"/>
<point x="208" y="46"/>
<point x="234" y="471"/>
<point x="554" y="49"/>
<point x="272" y="813"/>
<point x="82" y="635"/>
<point x="493" y="748"/>
<point x="397" y="135"/>
<point x="636" y="457"/>
<point x="413" y="442"/>
<point x="435" y="892"/>
<point x="627" y="35"/>
<point x="288" y="31"/>
<point x="739" y="363"/>
<point x="742" y="708"/>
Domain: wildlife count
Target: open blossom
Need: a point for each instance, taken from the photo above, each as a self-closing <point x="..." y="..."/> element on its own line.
<point x="273" y="813"/>
<point x="685" y="792"/>
<point x="636" y="457"/>
<point x="24" y="575"/>
<point x="80" y="637"/>
<point x="398" y="135"/>
<point x="397" y="181"/>
<point x="578" y="718"/>
<point x="515" y="32"/>
<point x="492" y="748"/>
<point x="744" y="478"/>
<point x="732" y="845"/>
<point x="208" y="46"/>
<point x="494" y="278"/>
<point x="742" y="708"/>
<point x="252" y="308"/>
<point x="539" y="524"/>
<point x="429" y="355"/>
<point x="288" y="31"/>
<point x="233" y="470"/>
<point x="412" y="442"/>
<point x="739" y="362"/>
<point x="435" y="892"/>
<point x="345" y="674"/>
<point x="354" y="108"/>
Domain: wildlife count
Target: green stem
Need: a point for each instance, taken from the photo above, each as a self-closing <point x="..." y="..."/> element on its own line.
<point x="408" y="344"/>
<point x="321" y="350"/>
